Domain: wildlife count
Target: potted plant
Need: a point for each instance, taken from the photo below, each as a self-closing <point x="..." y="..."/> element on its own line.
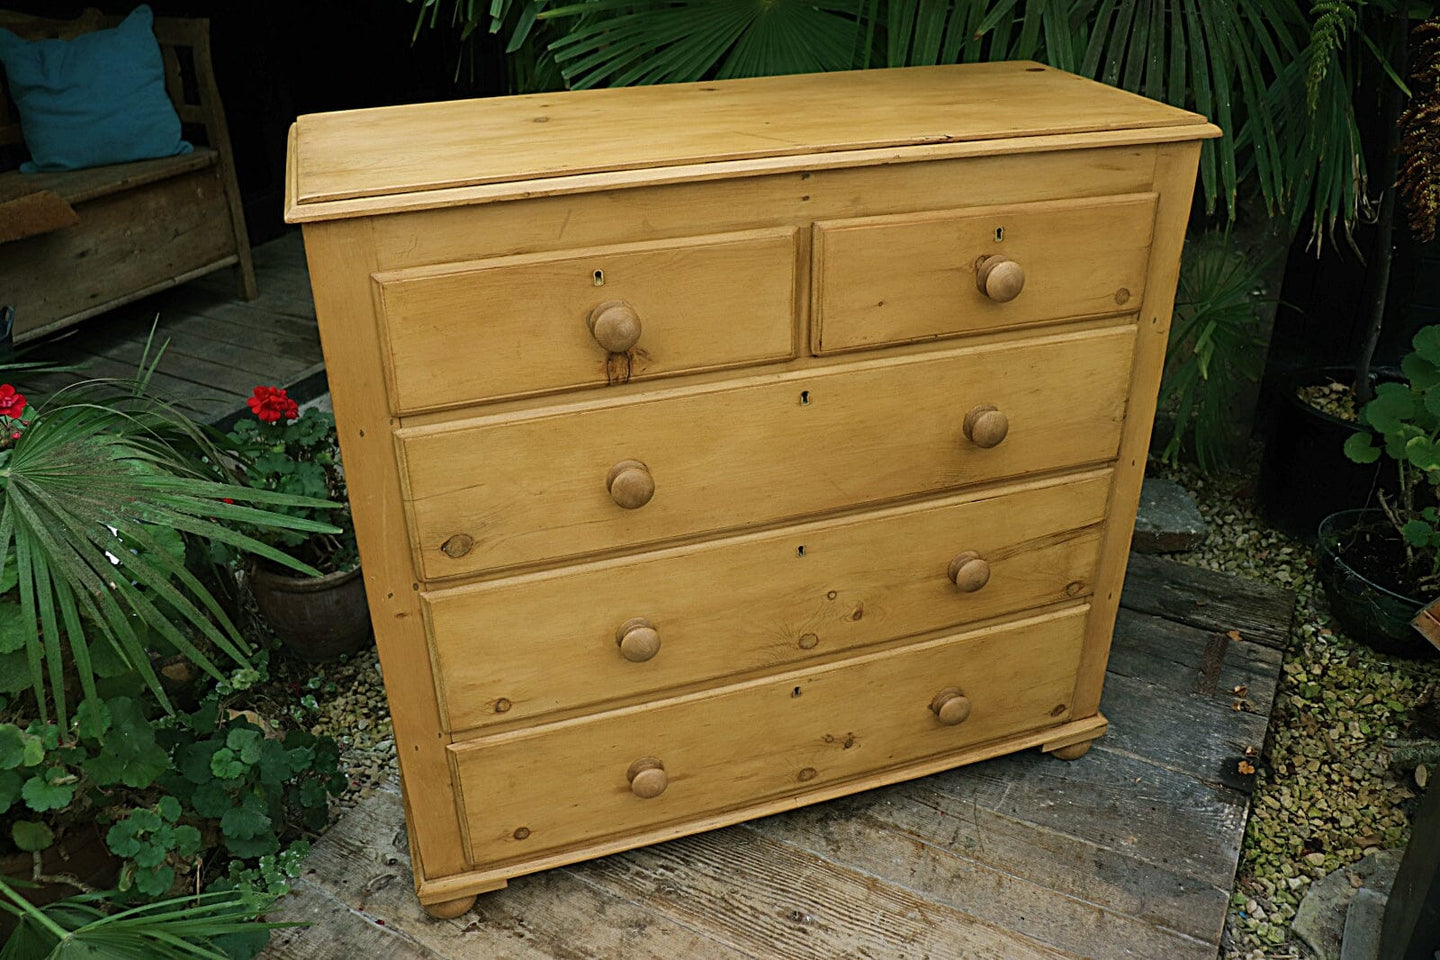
<point x="315" y="618"/>
<point x="1303" y="476"/>
<point x="1378" y="565"/>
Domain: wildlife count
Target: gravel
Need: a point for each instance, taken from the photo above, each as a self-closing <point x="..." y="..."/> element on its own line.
<point x="1325" y="795"/>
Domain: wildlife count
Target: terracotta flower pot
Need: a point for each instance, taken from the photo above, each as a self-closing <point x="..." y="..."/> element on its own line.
<point x="316" y="618"/>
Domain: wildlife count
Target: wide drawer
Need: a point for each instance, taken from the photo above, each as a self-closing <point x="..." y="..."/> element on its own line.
<point x="544" y="789"/>
<point x="514" y="326"/>
<point x="914" y="276"/>
<point x="514" y="489"/>
<point x="513" y="649"/>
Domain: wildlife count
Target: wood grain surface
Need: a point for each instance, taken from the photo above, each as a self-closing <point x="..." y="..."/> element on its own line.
<point x="516" y="139"/>
<point x="515" y="326"/>
<point x="531" y="487"/>
<point x="510" y="650"/>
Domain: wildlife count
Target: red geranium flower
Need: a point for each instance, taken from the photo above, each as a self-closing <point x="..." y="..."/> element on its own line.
<point x="12" y="404"/>
<point x="272" y="404"/>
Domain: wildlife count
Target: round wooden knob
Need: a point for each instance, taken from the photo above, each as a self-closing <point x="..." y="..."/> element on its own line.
<point x="986" y="426"/>
<point x="950" y="706"/>
<point x="968" y="571"/>
<point x="647" y="778"/>
<point x="630" y="484"/>
<point x="615" y="325"/>
<point x="638" y="640"/>
<point x="999" y="278"/>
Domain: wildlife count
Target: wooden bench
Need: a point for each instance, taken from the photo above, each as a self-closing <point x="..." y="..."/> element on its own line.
<point x="142" y="226"/>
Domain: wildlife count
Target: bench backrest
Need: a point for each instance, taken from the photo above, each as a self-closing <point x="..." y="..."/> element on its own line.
<point x="189" y="76"/>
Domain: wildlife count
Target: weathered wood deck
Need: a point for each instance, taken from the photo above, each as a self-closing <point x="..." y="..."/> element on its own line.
<point x="219" y="346"/>
<point x="1127" y="852"/>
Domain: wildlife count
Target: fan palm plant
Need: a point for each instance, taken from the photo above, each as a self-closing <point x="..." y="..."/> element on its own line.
<point x="79" y="928"/>
<point x="95" y="483"/>
<point x="1278" y="78"/>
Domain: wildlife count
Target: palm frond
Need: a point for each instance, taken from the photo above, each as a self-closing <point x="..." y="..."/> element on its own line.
<point x="1214" y="346"/>
<point x="1333" y="22"/>
<point x="85" y="491"/>
<point x="182" y="928"/>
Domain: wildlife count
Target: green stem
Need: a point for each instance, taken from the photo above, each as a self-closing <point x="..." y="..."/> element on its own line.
<point x="33" y="911"/>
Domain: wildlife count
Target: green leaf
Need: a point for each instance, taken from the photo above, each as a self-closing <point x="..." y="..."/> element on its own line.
<point x="169" y="808"/>
<point x="1421" y="373"/>
<point x="245" y="743"/>
<point x="1427" y="345"/>
<point x="10" y="783"/>
<point x="14" y="748"/>
<point x="1393" y="403"/>
<point x="92" y="718"/>
<point x="193" y="760"/>
<point x="14" y="672"/>
<point x="1417" y="533"/>
<point x="123" y="838"/>
<point x="246" y="821"/>
<point x="155" y="881"/>
<point x="1423" y="453"/>
<point x="187" y="841"/>
<point x="31" y="836"/>
<point x="50" y="791"/>
<point x="1361" y="448"/>
<point x="211" y="800"/>
<point x="274" y="763"/>
<point x="225" y="765"/>
<point x="12" y="637"/>
<point x="152" y="854"/>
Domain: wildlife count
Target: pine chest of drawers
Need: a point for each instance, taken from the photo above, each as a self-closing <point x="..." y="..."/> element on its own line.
<point x="725" y="447"/>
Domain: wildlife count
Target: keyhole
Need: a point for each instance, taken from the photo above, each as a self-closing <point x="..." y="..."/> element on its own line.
<point x="795" y="692"/>
<point x="804" y="398"/>
<point x="800" y="550"/>
<point x="600" y="277"/>
<point x="999" y="237"/>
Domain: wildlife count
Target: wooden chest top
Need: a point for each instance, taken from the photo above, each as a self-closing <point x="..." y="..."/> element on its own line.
<point x="512" y="142"/>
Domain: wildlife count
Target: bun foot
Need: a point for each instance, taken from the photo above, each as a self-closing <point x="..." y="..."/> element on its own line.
<point x="449" y="909"/>
<point x="1072" y="752"/>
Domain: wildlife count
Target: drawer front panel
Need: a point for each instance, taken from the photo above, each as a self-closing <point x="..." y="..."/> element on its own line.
<point x="912" y="277"/>
<point x="514" y="649"/>
<point x="509" y="490"/>
<point x="515" y="326"/>
<point x="557" y="786"/>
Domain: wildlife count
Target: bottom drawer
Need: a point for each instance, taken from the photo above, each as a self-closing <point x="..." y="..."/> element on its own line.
<point x="543" y="790"/>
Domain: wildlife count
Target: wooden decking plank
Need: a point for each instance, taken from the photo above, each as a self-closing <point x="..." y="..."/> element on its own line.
<point x="189" y="338"/>
<point x="335" y="932"/>
<point x="945" y="859"/>
<point x="1155" y="815"/>
<point x="180" y="361"/>
<point x="236" y="323"/>
<point x="201" y="400"/>
<point x="1187" y="659"/>
<point x="364" y="863"/>
<point x="1208" y="600"/>
<point x="1053" y="859"/>
<point x="757" y="895"/>
<point x="1181" y="732"/>
<point x="299" y="313"/>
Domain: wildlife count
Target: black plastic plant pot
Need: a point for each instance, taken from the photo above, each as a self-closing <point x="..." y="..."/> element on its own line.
<point x="1368" y="612"/>
<point x="1305" y="475"/>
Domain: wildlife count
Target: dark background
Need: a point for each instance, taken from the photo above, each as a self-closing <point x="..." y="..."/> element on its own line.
<point x="275" y="60"/>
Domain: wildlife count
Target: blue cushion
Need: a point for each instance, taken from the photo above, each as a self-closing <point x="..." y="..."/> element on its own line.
<point x="96" y="99"/>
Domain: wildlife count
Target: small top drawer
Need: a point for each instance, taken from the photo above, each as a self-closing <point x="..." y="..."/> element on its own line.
<point x="540" y="323"/>
<point x="923" y="276"/>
